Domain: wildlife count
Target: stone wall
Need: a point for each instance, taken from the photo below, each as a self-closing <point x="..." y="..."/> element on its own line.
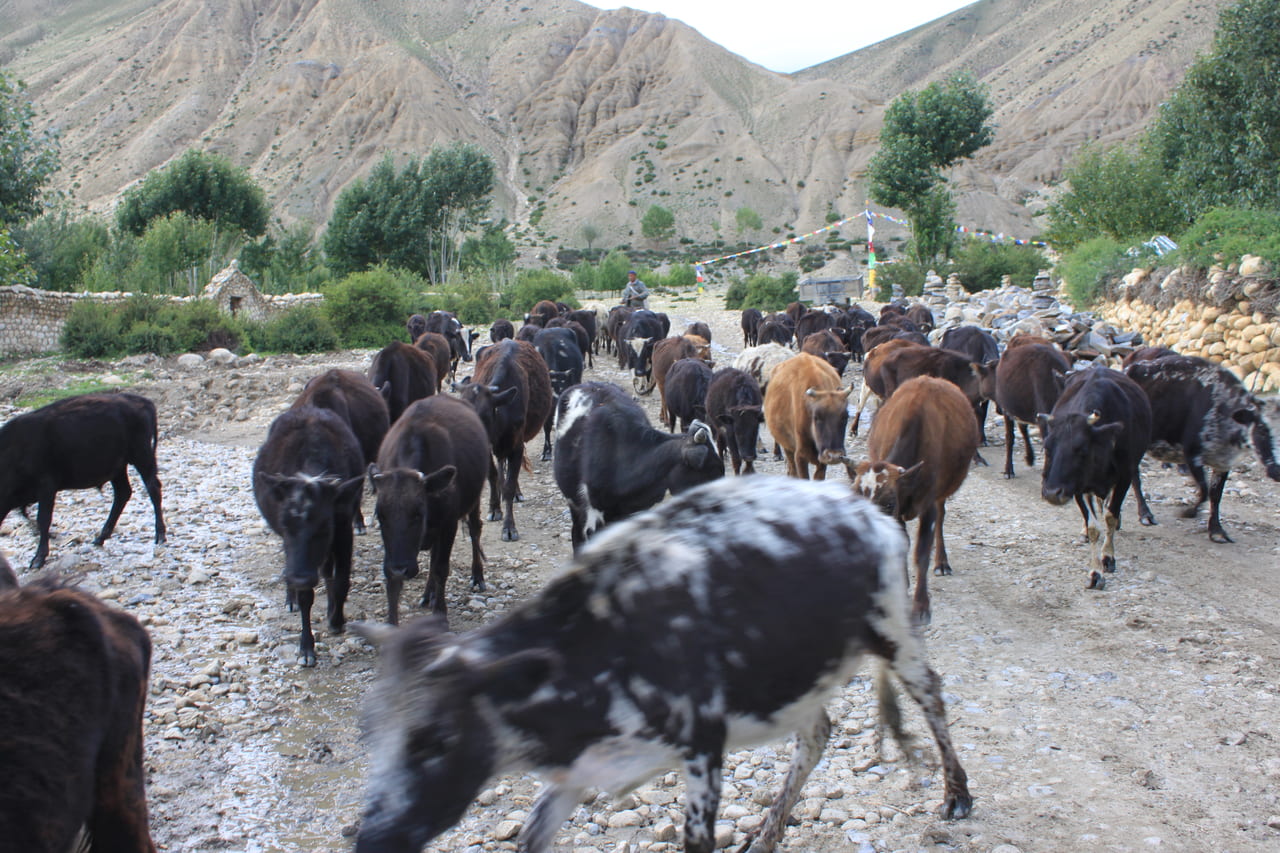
<point x="1227" y="318"/>
<point x="31" y="320"/>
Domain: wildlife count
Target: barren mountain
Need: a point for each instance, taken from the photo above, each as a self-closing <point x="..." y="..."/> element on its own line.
<point x="590" y="115"/>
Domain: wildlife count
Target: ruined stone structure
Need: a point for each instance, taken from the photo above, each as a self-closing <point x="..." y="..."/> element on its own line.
<point x="31" y="320"/>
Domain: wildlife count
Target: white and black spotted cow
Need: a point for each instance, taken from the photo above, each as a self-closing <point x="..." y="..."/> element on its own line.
<point x="610" y="463"/>
<point x="724" y="618"/>
<point x="1203" y="416"/>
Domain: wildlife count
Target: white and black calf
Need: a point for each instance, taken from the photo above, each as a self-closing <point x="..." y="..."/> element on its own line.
<point x="1201" y="415"/>
<point x="722" y="619"/>
<point x="610" y="463"/>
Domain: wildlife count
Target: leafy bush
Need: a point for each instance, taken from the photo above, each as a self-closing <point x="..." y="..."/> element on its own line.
<point x="980" y="263"/>
<point x="1086" y="268"/>
<point x="200" y="326"/>
<point x="906" y="273"/>
<point x="302" y="329"/>
<point x="532" y="286"/>
<point x="470" y="297"/>
<point x="148" y="337"/>
<point x="680" y="277"/>
<point x="92" y="330"/>
<point x="1231" y="233"/>
<point x="369" y="308"/>
<point x="762" y="291"/>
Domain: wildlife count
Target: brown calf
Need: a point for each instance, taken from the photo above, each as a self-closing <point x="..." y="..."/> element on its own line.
<point x="71" y="706"/>
<point x="667" y="352"/>
<point x="807" y="411"/>
<point x="872" y="376"/>
<point x="919" y="448"/>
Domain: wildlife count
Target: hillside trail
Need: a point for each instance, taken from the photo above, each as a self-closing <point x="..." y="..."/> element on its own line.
<point x="1142" y="716"/>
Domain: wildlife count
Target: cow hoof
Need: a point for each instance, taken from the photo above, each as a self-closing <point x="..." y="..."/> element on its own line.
<point x="479" y="586"/>
<point x="510" y="536"/>
<point x="1008" y="475"/>
<point x="360" y="529"/>
<point x="98" y="540"/>
<point x="1190" y="511"/>
<point x="1147" y="520"/>
<point x="1109" y="565"/>
<point x="307" y="659"/>
<point x="1096" y="580"/>
<point x="944" y="569"/>
<point x="1219" y="536"/>
<point x="494" y="516"/>
<point x="922" y="616"/>
<point x="160" y="540"/>
<point x="955" y="807"/>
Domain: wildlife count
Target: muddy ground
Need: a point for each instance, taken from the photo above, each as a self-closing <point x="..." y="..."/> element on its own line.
<point x="1143" y="716"/>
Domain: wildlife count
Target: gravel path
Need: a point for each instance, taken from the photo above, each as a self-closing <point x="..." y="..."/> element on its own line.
<point x="1139" y="717"/>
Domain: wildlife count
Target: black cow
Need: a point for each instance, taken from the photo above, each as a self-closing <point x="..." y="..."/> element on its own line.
<point x="751" y="318"/>
<point x="416" y="325"/>
<point x="307" y="481"/>
<point x="445" y="323"/>
<point x="614" y="324"/>
<point x="436" y="345"/>
<point x="79" y="442"/>
<point x="528" y="332"/>
<point x="776" y="329"/>
<point x="1093" y="442"/>
<point x="813" y="321"/>
<point x="735" y="407"/>
<point x="1201" y="416"/>
<point x="724" y="618"/>
<point x="684" y="394"/>
<point x="1027" y="383"/>
<point x="73" y="689"/>
<point x="501" y="330"/>
<point x="430" y="475"/>
<point x="580" y="334"/>
<point x="588" y="320"/>
<point x="981" y="348"/>
<point x="511" y="392"/>
<point x="641" y="326"/>
<point x="856" y="321"/>
<point x="610" y="463"/>
<point x="699" y="328"/>
<point x="352" y="397"/>
<point x="403" y="373"/>
<point x="559" y="349"/>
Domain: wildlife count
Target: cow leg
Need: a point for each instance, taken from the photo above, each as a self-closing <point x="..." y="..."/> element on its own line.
<point x="921" y="613"/>
<point x="981" y="411"/>
<point x="1026" y="440"/>
<point x="510" y="486"/>
<point x="394" y="586"/>
<point x="546" y="440"/>
<point x="577" y="533"/>
<point x="908" y="662"/>
<point x="44" y="521"/>
<point x="1089" y="505"/>
<point x="495" y="500"/>
<point x="438" y="575"/>
<point x="819" y="471"/>
<point x="339" y="585"/>
<point x="810" y="743"/>
<point x="1216" y="532"/>
<point x="357" y="521"/>
<point x="702" y="771"/>
<point x="552" y="809"/>
<point x="941" y="565"/>
<point x="151" y="481"/>
<point x="120" y="491"/>
<point x="1008" y="447"/>
<point x="307" y="644"/>
<point x="1144" y="511"/>
<point x="1202" y="487"/>
<point x="119" y="817"/>
<point x="474" y="526"/>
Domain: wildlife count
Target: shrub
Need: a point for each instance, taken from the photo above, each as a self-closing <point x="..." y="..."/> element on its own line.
<point x="533" y="286"/>
<point x="302" y="329"/>
<point x="148" y="337"/>
<point x="200" y="326"/>
<point x="92" y="330"/>
<point x="762" y="291"/>
<point x="369" y="308"/>
<point x="981" y="263"/>
<point x="1087" y="267"/>
<point x="1231" y="233"/>
<point x="681" y="277"/>
<point x="907" y="274"/>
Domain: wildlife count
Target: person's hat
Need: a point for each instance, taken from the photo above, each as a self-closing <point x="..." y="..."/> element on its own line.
<point x="631" y="272"/>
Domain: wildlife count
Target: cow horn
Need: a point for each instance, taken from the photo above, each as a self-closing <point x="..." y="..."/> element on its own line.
<point x="494" y="389"/>
<point x="1093" y="418"/>
<point x="811" y="392"/>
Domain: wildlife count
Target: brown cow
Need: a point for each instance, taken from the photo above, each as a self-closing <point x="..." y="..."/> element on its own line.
<point x="403" y="373"/>
<point x="657" y="356"/>
<point x="437" y="346"/>
<point x="919" y="448"/>
<point x="906" y="364"/>
<point x="872" y="376"/>
<point x="1028" y="382"/>
<point x="807" y="411"/>
<point x="73" y="688"/>
<point x="827" y="346"/>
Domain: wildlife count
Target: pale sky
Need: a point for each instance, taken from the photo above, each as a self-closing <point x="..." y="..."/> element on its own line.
<point x="787" y="35"/>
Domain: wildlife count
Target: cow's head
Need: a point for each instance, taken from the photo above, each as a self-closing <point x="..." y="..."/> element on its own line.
<point x="744" y="424"/>
<point x="1077" y="450"/>
<point x="402" y="513"/>
<point x="304" y="511"/>
<point x="837" y="359"/>
<point x="700" y="460"/>
<point x="891" y="487"/>
<point x="828" y="418"/>
<point x="431" y="722"/>
<point x="495" y="406"/>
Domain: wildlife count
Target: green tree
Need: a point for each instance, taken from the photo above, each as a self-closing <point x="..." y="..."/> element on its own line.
<point x="1122" y="192"/>
<point x="177" y="253"/>
<point x="28" y="159"/>
<point x="410" y="218"/>
<point x="590" y="234"/>
<point x="658" y="223"/>
<point x="203" y="186"/>
<point x="748" y="220"/>
<point x="981" y="263"/>
<point x="14" y="268"/>
<point x="1218" y="135"/>
<point x="287" y="262"/>
<point x="924" y="133"/>
<point x="61" y="248"/>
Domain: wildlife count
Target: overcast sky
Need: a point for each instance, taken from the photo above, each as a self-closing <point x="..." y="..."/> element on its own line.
<point x="787" y="35"/>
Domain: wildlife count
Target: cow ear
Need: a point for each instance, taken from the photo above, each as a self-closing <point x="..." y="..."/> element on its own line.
<point x="1244" y="416"/>
<point x="274" y="483"/>
<point x="907" y="477"/>
<point x="385" y="390"/>
<point x="727" y="420"/>
<point x="350" y="489"/>
<point x="503" y="396"/>
<point x="438" y="480"/>
<point x="516" y="676"/>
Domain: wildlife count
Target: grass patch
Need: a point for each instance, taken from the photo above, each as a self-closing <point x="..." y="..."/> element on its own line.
<point x="45" y="396"/>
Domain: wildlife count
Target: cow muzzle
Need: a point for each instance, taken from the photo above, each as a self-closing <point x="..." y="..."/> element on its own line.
<point x="1054" y="495"/>
<point x="831" y="457"/>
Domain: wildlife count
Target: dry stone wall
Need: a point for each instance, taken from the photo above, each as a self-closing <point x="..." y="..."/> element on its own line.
<point x="31" y="320"/>
<point x="1229" y="318"/>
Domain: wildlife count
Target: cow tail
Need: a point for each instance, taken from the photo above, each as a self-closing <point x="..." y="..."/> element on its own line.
<point x="890" y="712"/>
<point x="525" y="464"/>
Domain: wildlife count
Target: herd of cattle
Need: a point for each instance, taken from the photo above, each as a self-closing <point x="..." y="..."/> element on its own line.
<point x="684" y="578"/>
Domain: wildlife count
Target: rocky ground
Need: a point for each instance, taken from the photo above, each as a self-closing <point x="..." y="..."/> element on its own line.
<point x="1144" y="716"/>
